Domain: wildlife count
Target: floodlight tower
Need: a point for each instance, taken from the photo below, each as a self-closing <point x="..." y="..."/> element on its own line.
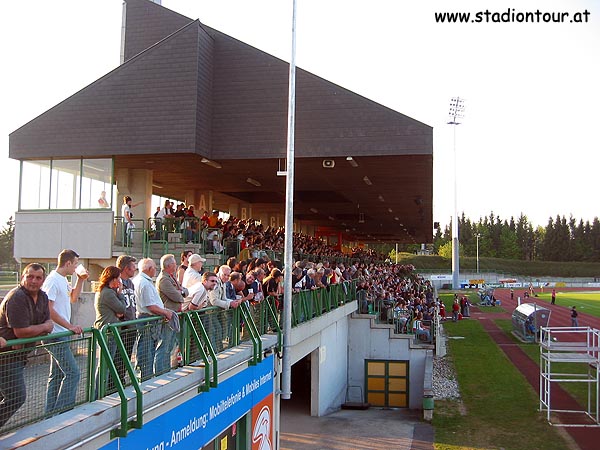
<point x="456" y="113"/>
<point x="477" y="235"/>
<point x="286" y="376"/>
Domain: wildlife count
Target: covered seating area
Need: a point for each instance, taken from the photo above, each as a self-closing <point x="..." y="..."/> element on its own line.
<point x="527" y="319"/>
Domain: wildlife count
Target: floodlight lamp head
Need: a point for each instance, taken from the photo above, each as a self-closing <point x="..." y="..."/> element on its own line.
<point x="457" y="109"/>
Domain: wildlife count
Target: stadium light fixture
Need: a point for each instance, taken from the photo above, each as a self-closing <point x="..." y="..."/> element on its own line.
<point x="211" y="163"/>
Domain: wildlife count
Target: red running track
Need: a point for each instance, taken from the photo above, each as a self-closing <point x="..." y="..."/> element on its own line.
<point x="561" y="311"/>
<point x="586" y="438"/>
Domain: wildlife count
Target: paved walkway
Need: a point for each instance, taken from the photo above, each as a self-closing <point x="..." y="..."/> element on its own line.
<point x="372" y="429"/>
<point x="586" y="438"/>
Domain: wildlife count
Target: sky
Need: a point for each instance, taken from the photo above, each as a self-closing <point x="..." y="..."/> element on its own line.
<point x="529" y="142"/>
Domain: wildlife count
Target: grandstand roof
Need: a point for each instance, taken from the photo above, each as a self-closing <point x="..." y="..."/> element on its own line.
<point x="186" y="92"/>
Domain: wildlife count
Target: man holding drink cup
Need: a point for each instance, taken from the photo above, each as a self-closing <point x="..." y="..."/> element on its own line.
<point x="64" y="371"/>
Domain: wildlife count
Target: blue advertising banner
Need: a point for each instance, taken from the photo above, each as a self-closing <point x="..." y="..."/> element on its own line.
<point x="196" y="422"/>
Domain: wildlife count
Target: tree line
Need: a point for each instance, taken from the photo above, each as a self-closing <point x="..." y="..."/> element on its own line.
<point x="561" y="239"/>
<point x="7" y="242"/>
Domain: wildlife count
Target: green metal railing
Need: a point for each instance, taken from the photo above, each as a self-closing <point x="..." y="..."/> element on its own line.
<point x="105" y="356"/>
<point x="346" y="260"/>
<point x="32" y="354"/>
<point x="308" y="304"/>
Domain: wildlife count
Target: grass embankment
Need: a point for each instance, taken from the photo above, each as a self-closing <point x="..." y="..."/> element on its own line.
<point x="498" y="408"/>
<point x="505" y="266"/>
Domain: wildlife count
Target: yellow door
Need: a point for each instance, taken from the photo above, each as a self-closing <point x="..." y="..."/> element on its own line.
<point x="386" y="383"/>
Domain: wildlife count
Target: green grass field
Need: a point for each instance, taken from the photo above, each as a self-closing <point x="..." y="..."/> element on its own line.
<point x="497" y="403"/>
<point x="579" y="391"/>
<point x="506" y="266"/>
<point x="586" y="302"/>
<point x="448" y="299"/>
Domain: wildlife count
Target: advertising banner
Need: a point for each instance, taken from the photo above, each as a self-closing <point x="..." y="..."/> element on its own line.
<point x="262" y="425"/>
<point x="440" y="277"/>
<point x="196" y="422"/>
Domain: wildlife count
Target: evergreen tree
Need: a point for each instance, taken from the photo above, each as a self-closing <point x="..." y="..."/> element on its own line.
<point x="559" y="240"/>
<point x="509" y="248"/>
<point x="7" y="243"/>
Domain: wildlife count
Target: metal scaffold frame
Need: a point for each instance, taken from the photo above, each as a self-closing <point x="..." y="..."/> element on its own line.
<point x="579" y="345"/>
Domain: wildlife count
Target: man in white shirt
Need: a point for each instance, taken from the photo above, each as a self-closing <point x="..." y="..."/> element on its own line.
<point x="150" y="336"/>
<point x="198" y="293"/>
<point x="64" y="371"/>
<point x="221" y="320"/>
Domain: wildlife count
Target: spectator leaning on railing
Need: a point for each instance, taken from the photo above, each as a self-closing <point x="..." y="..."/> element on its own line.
<point x="110" y="306"/>
<point x="24" y="313"/>
<point x="198" y="295"/>
<point x="220" y="322"/>
<point x="151" y="351"/>
<point x="173" y="294"/>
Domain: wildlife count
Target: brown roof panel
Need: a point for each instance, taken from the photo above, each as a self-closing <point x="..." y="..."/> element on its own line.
<point x="146" y="105"/>
<point x="148" y="23"/>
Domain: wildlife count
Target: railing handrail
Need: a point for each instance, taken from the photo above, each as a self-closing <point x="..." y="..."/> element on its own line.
<point x="310" y="304"/>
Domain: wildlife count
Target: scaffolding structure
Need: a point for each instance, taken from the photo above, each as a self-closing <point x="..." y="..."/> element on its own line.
<point x="576" y="346"/>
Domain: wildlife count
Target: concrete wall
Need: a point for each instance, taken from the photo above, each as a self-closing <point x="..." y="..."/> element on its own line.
<point x="43" y="234"/>
<point x="83" y="312"/>
<point x="367" y="342"/>
<point x="328" y="379"/>
<point x="325" y="338"/>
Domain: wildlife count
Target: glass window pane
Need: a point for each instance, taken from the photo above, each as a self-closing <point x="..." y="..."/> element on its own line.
<point x="96" y="183"/>
<point x="35" y="185"/>
<point x="65" y="182"/>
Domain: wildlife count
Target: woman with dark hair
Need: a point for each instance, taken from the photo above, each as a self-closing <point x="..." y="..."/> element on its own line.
<point x="109" y="302"/>
<point x="271" y="284"/>
<point x="110" y="308"/>
<point x="240" y="267"/>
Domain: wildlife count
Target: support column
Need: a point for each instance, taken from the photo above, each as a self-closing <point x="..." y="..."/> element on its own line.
<point x="137" y="183"/>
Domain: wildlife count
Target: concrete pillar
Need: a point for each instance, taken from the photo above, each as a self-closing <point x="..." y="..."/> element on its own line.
<point x="190" y="198"/>
<point x="137" y="183"/>
<point x="201" y="203"/>
<point x="234" y="209"/>
<point x="315" y="362"/>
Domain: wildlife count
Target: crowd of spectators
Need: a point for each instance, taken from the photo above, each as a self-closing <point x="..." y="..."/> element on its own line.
<point x="250" y="233"/>
<point x="183" y="284"/>
<point x="400" y="296"/>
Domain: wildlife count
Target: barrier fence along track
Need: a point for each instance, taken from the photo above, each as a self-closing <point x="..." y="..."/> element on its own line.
<point x="106" y="357"/>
